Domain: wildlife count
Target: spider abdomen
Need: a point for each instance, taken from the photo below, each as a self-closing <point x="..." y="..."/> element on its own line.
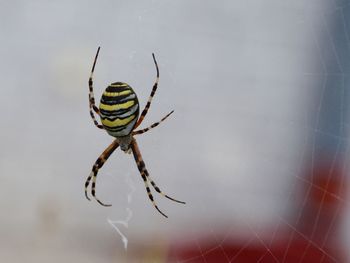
<point x="119" y="109"/>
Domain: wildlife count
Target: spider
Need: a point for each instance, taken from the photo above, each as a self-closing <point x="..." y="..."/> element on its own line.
<point x="119" y="113"/>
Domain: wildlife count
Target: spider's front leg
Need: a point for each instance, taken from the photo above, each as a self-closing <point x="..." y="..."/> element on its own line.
<point x="98" y="164"/>
<point x="146" y="178"/>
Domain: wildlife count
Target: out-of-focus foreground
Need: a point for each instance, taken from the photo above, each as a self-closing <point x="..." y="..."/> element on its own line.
<point x="257" y="146"/>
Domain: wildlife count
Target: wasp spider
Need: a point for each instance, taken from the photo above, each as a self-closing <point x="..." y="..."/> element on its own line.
<point x="119" y="113"/>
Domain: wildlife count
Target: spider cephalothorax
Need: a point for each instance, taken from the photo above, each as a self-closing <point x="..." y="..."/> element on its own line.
<point x="119" y="113"/>
<point x="125" y="143"/>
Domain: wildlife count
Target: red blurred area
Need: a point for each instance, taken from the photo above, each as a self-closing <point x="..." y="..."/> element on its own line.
<point x="282" y="252"/>
<point x="313" y="237"/>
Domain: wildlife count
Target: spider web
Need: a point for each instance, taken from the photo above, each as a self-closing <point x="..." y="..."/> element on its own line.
<point x="307" y="224"/>
<point x="313" y="232"/>
<point x="257" y="145"/>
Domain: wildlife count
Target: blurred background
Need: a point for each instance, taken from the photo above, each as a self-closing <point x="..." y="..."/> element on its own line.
<point x="257" y="146"/>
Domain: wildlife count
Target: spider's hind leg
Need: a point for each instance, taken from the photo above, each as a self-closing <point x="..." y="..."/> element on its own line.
<point x="92" y="105"/>
<point x="154" y="89"/>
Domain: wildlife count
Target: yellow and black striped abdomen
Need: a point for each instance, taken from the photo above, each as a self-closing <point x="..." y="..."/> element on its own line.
<point x="119" y="109"/>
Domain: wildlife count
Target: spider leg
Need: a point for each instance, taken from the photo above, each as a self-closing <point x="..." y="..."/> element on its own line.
<point x="142" y="168"/>
<point x="148" y="104"/>
<point x="150" y="195"/>
<point x="98" y="164"/>
<point x="92" y="105"/>
<point x="152" y="126"/>
<point x="160" y="191"/>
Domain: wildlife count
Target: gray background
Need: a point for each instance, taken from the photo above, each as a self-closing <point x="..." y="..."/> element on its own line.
<point x="242" y="77"/>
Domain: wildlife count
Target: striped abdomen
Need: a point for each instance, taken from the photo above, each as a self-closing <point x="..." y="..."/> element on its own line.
<point x="119" y="109"/>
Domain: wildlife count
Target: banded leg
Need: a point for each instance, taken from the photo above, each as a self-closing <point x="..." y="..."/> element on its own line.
<point x="153" y="125"/>
<point x="98" y="164"/>
<point x="145" y="176"/>
<point x="92" y="105"/>
<point x="148" y="104"/>
<point x="160" y="191"/>
<point x="142" y="168"/>
<point x="141" y="165"/>
<point x="150" y="194"/>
